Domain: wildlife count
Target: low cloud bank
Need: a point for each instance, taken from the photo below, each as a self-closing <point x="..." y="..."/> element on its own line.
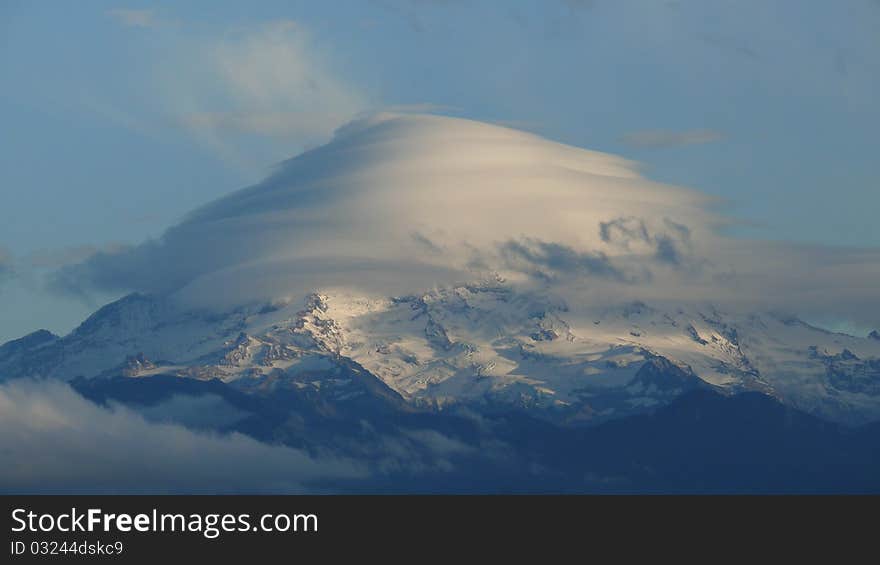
<point x="54" y="440"/>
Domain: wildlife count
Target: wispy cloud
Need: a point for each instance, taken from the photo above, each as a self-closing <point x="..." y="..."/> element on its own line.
<point x="270" y="81"/>
<point x="134" y="18"/>
<point x="668" y="138"/>
<point x="59" y="257"/>
<point x="55" y="440"/>
<point x="273" y="124"/>
<point x="253" y="94"/>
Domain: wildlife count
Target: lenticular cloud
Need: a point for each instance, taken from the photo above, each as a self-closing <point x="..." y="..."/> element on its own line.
<point x="399" y="203"/>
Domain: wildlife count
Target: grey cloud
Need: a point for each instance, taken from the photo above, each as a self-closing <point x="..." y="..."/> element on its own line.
<point x="813" y="281"/>
<point x="53" y="440"/>
<point x="438" y="443"/>
<point x="426" y="242"/>
<point x="667" y="250"/>
<point x="550" y="260"/>
<point x="411" y="451"/>
<point x="56" y="441"/>
<point x="683" y="231"/>
<point x="622" y="230"/>
<point x="207" y="412"/>
<point x="667" y="138"/>
<point x="104" y="270"/>
<point x="671" y="246"/>
<point x="60" y="257"/>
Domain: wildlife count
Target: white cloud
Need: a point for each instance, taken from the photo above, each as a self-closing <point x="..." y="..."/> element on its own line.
<point x="345" y="214"/>
<point x="397" y="204"/>
<point x="272" y="80"/>
<point x="53" y="440"/>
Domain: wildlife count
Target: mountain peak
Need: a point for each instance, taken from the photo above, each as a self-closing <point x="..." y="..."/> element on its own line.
<point x="31" y="340"/>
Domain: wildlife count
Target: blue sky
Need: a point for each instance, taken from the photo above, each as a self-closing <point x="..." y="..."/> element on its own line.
<point x="119" y="118"/>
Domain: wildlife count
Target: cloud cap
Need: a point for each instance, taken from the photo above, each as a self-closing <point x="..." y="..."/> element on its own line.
<point x="403" y="194"/>
<point x="398" y="203"/>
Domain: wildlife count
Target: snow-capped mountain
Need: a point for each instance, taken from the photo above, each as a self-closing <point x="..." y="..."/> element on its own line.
<point x="480" y="344"/>
<point x="429" y="304"/>
<point x="442" y="262"/>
